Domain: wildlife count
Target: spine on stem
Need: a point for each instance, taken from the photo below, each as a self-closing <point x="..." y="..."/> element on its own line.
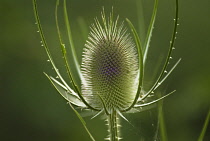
<point x="113" y="125"/>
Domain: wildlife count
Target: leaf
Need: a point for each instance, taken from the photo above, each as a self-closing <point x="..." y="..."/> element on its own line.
<point x="149" y="32"/>
<point x="70" y="96"/>
<point x="201" y="137"/>
<point x="83" y="122"/>
<point x="46" y="46"/>
<point x="154" y="101"/>
<point x="161" y="77"/>
<point x="156" y="85"/>
<point x="66" y="60"/>
<point x="70" y="38"/>
<point x="141" y="66"/>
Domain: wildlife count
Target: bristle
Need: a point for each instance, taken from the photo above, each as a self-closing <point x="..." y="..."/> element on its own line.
<point x="109" y="66"/>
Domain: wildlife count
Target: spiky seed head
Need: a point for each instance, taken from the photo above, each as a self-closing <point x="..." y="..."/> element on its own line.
<point x="109" y="66"/>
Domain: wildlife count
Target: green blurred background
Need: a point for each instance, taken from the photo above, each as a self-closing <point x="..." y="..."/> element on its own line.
<point x="31" y="109"/>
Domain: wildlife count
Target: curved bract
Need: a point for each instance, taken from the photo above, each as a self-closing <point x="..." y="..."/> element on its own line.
<point x="110" y="66"/>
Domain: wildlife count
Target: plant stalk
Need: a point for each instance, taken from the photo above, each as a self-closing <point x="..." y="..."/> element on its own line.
<point x="113" y="124"/>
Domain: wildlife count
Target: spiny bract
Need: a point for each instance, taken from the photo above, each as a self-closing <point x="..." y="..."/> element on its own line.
<point x="109" y="66"/>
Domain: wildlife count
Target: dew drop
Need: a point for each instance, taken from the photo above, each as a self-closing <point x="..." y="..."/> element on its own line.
<point x="173" y="47"/>
<point x="42" y="45"/>
<point x="170" y="58"/>
<point x="159" y="83"/>
<point x="48" y="60"/>
<point x="165" y="71"/>
<point x="174" y="19"/>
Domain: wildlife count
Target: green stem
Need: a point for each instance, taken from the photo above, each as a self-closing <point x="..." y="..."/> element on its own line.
<point x="201" y="137"/>
<point x="113" y="123"/>
<point x="162" y="126"/>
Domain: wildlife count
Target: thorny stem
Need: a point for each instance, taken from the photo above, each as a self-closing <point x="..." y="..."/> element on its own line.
<point x="113" y="124"/>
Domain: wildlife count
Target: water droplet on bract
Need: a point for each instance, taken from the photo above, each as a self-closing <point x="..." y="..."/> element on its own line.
<point x="152" y="92"/>
<point x="42" y="45"/>
<point x="37" y="30"/>
<point x="165" y="71"/>
<point x="170" y="58"/>
<point x="174" y="19"/>
<point x="48" y="60"/>
<point x="178" y="24"/>
<point x="159" y="83"/>
<point x="173" y="47"/>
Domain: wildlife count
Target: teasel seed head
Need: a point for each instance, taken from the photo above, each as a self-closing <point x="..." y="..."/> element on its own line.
<point x="109" y="66"/>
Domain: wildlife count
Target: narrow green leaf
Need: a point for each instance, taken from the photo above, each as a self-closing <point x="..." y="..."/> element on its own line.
<point x="83" y="122"/>
<point x="154" y="101"/>
<point x="65" y="57"/>
<point x="70" y="39"/>
<point x="169" y="72"/>
<point x="141" y="66"/>
<point x="46" y="46"/>
<point x="149" y="32"/>
<point x="141" y="109"/>
<point x="104" y="105"/>
<point x="70" y="96"/>
<point x="49" y="54"/>
<point x="201" y="137"/>
<point x="161" y="77"/>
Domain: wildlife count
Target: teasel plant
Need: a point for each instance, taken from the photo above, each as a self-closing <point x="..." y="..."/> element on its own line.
<point x="112" y="69"/>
